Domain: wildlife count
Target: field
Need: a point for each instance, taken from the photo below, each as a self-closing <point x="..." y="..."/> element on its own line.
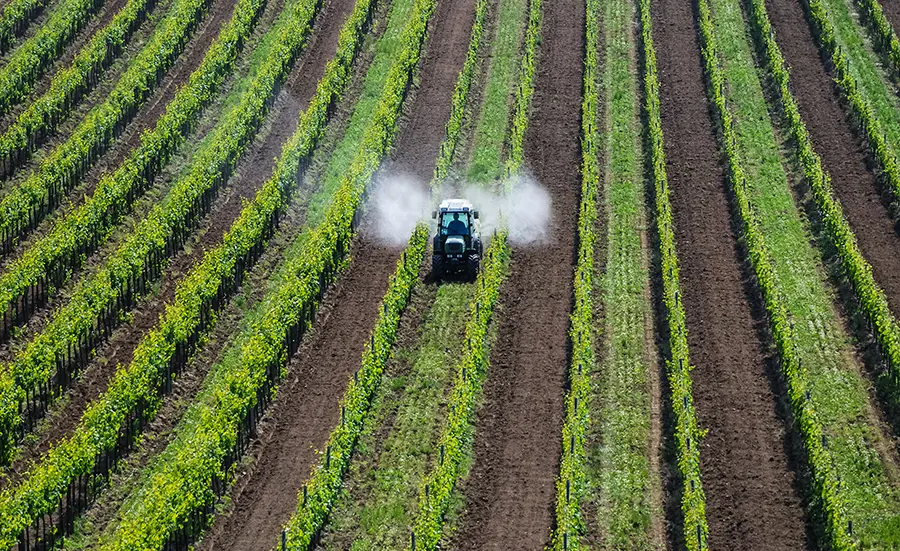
<point x="221" y="328"/>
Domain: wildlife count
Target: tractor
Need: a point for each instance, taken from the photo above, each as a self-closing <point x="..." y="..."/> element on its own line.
<point x="457" y="240"/>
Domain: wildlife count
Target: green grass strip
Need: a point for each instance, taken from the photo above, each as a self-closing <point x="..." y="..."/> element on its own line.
<point x="180" y="483"/>
<point x="131" y="396"/>
<point x="622" y="401"/>
<point x="830" y="399"/>
<point x="453" y="445"/>
<point x="491" y="130"/>
<point x="687" y="433"/>
<point x="69" y="85"/>
<point x="379" y="515"/>
<point x="30" y="59"/>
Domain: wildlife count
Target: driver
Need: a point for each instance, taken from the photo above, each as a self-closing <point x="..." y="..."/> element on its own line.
<point x="457" y="226"/>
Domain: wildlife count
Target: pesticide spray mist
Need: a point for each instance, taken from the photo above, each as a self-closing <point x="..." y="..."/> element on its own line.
<point x="399" y="202"/>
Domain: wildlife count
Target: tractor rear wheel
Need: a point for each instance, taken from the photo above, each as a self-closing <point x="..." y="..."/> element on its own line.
<point x="437" y="267"/>
<point x="473" y="264"/>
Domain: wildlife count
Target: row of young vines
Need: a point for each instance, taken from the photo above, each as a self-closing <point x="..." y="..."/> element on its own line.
<point x="570" y="485"/>
<point x="63" y="478"/>
<point x="97" y="302"/>
<point x="182" y="486"/>
<point x="30" y="200"/>
<point x="687" y="433"/>
<point x="824" y="480"/>
<point x="69" y="85"/>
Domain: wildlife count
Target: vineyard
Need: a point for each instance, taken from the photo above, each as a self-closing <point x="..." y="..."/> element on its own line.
<point x="221" y="327"/>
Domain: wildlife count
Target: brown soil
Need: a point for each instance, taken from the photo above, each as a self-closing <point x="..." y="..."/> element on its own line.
<point x="306" y="408"/>
<point x="843" y="154"/>
<point x="510" y="492"/>
<point x="751" y="496"/>
<point x="254" y="169"/>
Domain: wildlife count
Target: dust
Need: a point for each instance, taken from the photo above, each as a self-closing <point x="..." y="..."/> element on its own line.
<point x="398" y="202"/>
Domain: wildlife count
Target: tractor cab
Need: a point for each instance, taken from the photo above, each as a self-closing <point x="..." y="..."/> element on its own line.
<point x="457" y="240"/>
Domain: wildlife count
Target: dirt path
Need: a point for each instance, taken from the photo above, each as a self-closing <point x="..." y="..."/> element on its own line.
<point x="750" y="490"/>
<point x="511" y="489"/>
<point x="306" y="409"/>
<point x="843" y="155"/>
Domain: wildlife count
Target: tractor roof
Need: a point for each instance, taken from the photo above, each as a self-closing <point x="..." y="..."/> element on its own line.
<point x="455" y="205"/>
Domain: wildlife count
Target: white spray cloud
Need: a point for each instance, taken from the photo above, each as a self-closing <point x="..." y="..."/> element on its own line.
<point x="525" y="210"/>
<point x="399" y="202"/>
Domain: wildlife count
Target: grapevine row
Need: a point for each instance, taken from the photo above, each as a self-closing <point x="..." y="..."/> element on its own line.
<point x="28" y="62"/>
<point x="68" y="86"/>
<point x="16" y="16"/>
<point x="871" y="297"/>
<point x="321" y="491"/>
<point x="570" y="485"/>
<point x="687" y="433"/>
<point x="824" y="480"/>
<point x="46" y="264"/>
<point x="181" y="489"/>
<point x="879" y="148"/>
<point x="28" y="202"/>
<point x="121" y="413"/>
<point x="524" y="89"/>
<point x="96" y="304"/>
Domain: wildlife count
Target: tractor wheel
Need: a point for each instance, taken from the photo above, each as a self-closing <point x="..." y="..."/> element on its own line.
<point x="473" y="264"/>
<point x="437" y="267"/>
